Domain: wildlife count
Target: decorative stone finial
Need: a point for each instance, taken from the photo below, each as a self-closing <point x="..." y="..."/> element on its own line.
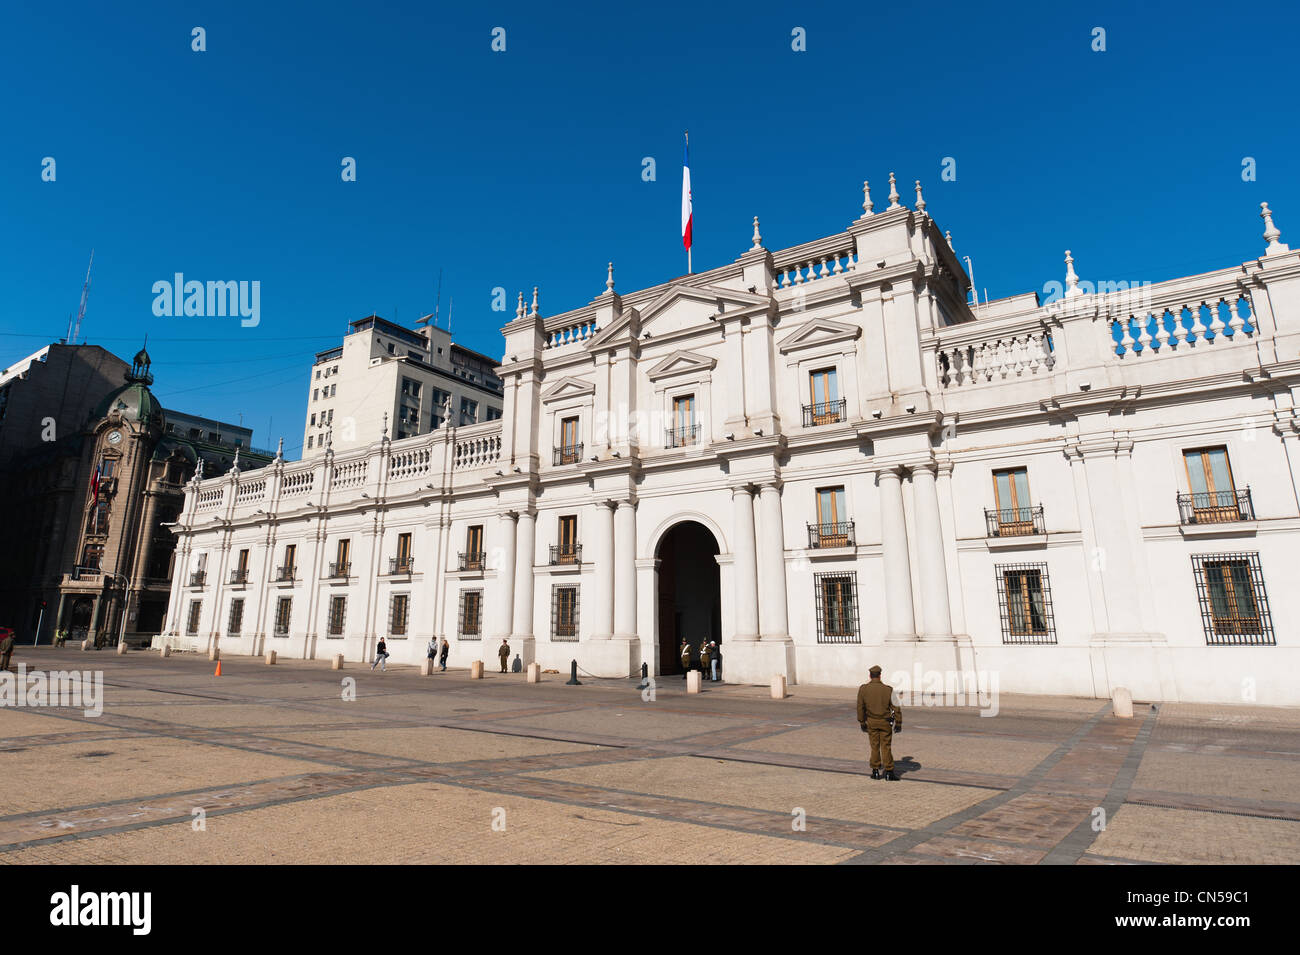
<point x="385" y="432"/>
<point x="1271" y="232"/>
<point x="893" y="194"/>
<point x="1071" y="280"/>
<point x="519" y="309"/>
<point x="234" y="465"/>
<point x="534" y="315"/>
<point x="609" y="282"/>
<point x="198" y="471"/>
<point x="920" y="199"/>
<point x="948" y="235"/>
<point x="279" y="451"/>
<point x="758" y="239"/>
<point x="867" y="205"/>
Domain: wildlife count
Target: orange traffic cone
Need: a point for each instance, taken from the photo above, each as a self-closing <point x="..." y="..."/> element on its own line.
<point x="218" y="673"/>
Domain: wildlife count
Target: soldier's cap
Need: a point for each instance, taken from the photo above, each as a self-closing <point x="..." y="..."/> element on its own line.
<point x="874" y="671"/>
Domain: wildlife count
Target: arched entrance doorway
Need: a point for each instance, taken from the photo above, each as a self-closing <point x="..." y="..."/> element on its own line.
<point x="690" y="593"/>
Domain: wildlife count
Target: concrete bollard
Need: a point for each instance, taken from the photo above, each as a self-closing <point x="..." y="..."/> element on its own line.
<point x="534" y="673"/>
<point x="426" y="667"/>
<point x="164" y="651"/>
<point x="778" y="686"/>
<point x="337" y="663"/>
<point x="693" y="681"/>
<point x="270" y="657"/>
<point x="1122" y="703"/>
<point x="476" y="670"/>
<point x="214" y="654"/>
<point x="121" y="648"/>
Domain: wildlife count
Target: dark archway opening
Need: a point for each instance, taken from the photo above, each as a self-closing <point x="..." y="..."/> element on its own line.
<point x="690" y="594"/>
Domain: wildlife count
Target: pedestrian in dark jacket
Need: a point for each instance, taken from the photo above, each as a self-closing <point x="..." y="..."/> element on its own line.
<point x="381" y="656"/>
<point x="446" y="648"/>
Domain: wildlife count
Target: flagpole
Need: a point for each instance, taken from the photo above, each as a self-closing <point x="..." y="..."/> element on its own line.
<point x="688" y="159"/>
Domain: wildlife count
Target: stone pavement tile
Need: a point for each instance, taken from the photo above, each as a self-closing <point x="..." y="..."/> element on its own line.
<point x="930" y="750"/>
<point x="1033" y="820"/>
<point x="1147" y="833"/>
<point x="93" y="772"/>
<point x="228" y="715"/>
<point x="779" y="789"/>
<point x="980" y="850"/>
<point x="434" y="744"/>
<point x="640" y="721"/>
<point x="1203" y="714"/>
<point x="429" y="823"/>
<point x="1205" y="774"/>
<point x="456" y="705"/>
<point x="17" y="723"/>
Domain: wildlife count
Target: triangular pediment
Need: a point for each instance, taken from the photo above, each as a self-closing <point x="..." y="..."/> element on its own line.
<point x="713" y="299"/>
<point x="568" y="388"/>
<point x="818" y="331"/>
<point x="682" y="363"/>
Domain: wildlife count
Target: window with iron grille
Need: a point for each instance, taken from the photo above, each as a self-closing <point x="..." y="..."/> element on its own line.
<point x="564" y="612"/>
<point x="236" y="621"/>
<point x="399" y="606"/>
<point x="1025" y="604"/>
<point x="470" y="623"/>
<point x="192" y="625"/>
<point x="837" y="607"/>
<point x="282" y="610"/>
<point x="1234" y="604"/>
<point x="338" y="610"/>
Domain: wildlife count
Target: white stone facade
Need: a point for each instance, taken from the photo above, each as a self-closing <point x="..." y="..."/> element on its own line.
<point x="698" y="401"/>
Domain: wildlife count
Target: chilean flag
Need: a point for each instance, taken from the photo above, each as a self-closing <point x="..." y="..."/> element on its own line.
<point x="686" y="196"/>
<point x="94" y="484"/>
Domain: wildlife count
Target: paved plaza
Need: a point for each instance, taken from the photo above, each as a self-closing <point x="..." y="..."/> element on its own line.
<point x="442" y="769"/>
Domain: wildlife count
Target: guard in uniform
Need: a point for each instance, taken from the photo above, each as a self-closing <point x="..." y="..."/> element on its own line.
<point x="880" y="718"/>
<point x="686" y="658"/>
<point x="704" y="660"/>
<point x="504" y="653"/>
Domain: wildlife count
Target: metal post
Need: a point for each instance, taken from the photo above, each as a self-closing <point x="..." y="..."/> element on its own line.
<point x="573" y="675"/>
<point x="39" y="620"/>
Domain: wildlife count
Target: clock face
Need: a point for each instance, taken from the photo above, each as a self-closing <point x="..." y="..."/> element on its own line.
<point x="115" y="437"/>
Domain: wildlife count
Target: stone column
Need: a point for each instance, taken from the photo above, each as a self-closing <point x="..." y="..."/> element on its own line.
<point x="934" y="572"/>
<point x="745" y="567"/>
<point x="898" y="568"/>
<point x="503" y="594"/>
<point x="773" y="617"/>
<point x="625" y="570"/>
<point x="525" y="551"/>
<point x="602" y="604"/>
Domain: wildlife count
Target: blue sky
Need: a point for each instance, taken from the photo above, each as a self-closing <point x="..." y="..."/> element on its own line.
<point x="523" y="168"/>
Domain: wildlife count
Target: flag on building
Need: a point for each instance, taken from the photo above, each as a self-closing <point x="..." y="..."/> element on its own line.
<point x="686" y="196"/>
<point x="94" y="485"/>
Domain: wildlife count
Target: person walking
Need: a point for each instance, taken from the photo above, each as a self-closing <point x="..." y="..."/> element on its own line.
<point x="715" y="658"/>
<point x="880" y="718"/>
<point x="6" y="647"/>
<point x="686" y="658"/>
<point x="504" y="653"/>
<point x="446" y="648"/>
<point x="705" y="656"/>
<point x="381" y="656"/>
<point x="431" y="651"/>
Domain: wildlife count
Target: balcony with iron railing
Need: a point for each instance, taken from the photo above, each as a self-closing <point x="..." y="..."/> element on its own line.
<point x="566" y="554"/>
<point x="85" y="572"/>
<point x="400" y="565"/>
<point x="837" y="534"/>
<point x="472" y="560"/>
<point x="570" y="454"/>
<point x="825" y="412"/>
<point x="197" y="578"/>
<point x="1216" y="507"/>
<point x="238" y="576"/>
<point x="285" y="574"/>
<point x="682" y="437"/>
<point x="340" y="570"/>
<point x="1014" y="521"/>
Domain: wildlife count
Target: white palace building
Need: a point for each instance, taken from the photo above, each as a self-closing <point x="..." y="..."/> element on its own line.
<point x="823" y="457"/>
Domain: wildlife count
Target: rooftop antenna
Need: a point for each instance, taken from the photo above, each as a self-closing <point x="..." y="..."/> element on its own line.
<point x="85" y="293"/>
<point x="436" y="305"/>
<point x="450" y="302"/>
